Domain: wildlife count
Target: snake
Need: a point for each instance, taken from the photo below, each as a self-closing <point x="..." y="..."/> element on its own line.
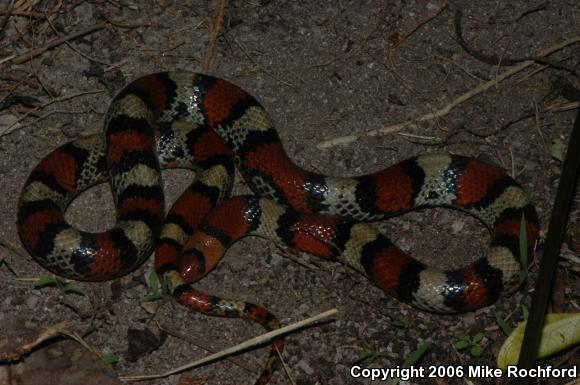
<point x="209" y="125"/>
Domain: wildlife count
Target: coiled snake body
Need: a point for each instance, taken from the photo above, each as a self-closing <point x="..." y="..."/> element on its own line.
<point x="186" y="120"/>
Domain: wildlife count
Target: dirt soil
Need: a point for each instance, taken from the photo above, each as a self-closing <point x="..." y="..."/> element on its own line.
<point x="323" y="70"/>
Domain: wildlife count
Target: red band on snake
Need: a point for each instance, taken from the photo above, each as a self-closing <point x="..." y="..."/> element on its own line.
<point x="185" y="120"/>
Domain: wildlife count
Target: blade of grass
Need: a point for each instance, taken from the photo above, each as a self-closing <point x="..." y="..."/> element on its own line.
<point x="504" y="326"/>
<point x="533" y="333"/>
<point x="413" y="358"/>
<point x="524" y="260"/>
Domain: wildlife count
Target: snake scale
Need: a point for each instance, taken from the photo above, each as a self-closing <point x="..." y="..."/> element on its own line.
<point x="187" y="120"/>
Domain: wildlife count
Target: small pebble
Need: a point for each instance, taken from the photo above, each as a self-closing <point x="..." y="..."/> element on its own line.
<point x="32" y="301"/>
<point x="305" y="367"/>
<point x="303" y="308"/>
<point x="457" y="226"/>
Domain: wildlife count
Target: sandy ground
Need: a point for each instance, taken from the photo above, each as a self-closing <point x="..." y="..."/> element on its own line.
<point x="323" y="70"/>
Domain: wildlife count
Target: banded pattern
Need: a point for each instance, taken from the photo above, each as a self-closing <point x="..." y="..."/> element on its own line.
<point x="186" y="120"/>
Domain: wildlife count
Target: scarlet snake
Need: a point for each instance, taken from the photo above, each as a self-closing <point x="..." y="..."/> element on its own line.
<point x="185" y="120"/>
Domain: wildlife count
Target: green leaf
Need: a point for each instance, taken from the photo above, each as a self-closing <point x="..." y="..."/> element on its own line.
<point x="477" y="338"/>
<point x="368" y="353"/>
<point x="561" y="331"/>
<point x="154" y="282"/>
<point x="463" y="336"/>
<point x="413" y="358"/>
<point x="64" y="286"/>
<point x="110" y="359"/>
<point x="153" y="297"/>
<point x="362" y="355"/>
<point x="525" y="311"/>
<point x="45" y="282"/>
<point x="72" y="289"/>
<point x="475" y="351"/>
<point x="461" y="344"/>
<point x="416" y="355"/>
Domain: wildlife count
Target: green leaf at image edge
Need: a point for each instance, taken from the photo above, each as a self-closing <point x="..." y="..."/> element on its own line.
<point x="560" y="331"/>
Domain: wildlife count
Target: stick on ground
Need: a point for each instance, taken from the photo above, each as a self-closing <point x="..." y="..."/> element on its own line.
<point x="53" y="43"/>
<point x="237" y="348"/>
<point x="343" y="140"/>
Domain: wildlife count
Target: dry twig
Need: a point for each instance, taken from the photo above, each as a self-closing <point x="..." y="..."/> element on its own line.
<point x="53" y="43"/>
<point x="14" y="126"/>
<point x="195" y="341"/>
<point x="215" y="27"/>
<point x="343" y="140"/>
<point x="237" y="348"/>
<point x="50" y="333"/>
<point x="261" y="68"/>
<point x="7" y="13"/>
<point x="398" y="40"/>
